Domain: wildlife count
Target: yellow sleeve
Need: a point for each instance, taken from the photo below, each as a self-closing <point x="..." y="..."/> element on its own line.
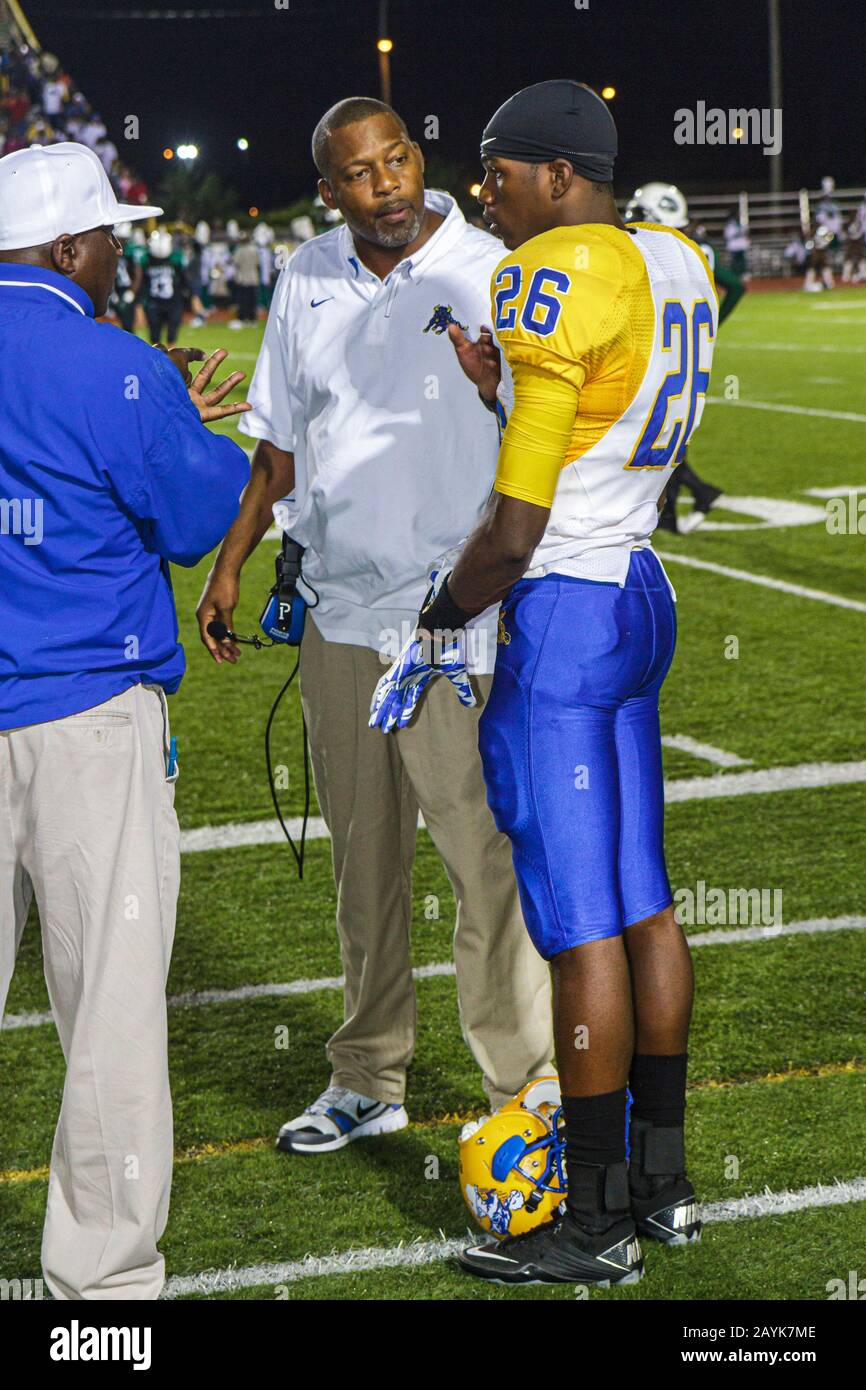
<point x="553" y="332"/>
<point x="536" y="439"/>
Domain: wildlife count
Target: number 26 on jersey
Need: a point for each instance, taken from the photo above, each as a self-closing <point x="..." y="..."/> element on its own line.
<point x="542" y="305"/>
<point x="681" y="389"/>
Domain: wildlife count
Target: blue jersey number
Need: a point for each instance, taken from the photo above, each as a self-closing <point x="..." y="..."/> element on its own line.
<point x="508" y="283"/>
<point x="542" y="310"/>
<point x="686" y="329"/>
<point x="542" y="306"/>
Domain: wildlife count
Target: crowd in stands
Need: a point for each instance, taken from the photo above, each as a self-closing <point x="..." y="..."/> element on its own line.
<point x="160" y="276"/>
<point x="41" y="105"/>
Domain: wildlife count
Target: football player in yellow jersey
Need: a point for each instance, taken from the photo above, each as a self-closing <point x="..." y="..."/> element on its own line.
<point x="608" y="332"/>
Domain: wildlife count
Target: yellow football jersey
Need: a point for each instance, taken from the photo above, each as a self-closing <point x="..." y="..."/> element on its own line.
<point x="608" y="335"/>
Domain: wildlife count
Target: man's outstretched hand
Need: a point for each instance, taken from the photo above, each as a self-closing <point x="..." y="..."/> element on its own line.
<point x="207" y="402"/>
<point x="479" y="359"/>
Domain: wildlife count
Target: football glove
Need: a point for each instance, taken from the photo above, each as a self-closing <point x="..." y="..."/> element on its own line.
<point x="396" y="696"/>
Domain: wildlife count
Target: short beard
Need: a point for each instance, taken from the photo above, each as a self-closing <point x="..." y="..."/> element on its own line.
<point x="391" y="239"/>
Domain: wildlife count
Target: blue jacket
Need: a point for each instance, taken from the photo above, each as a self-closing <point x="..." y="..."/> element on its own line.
<point x="106" y="474"/>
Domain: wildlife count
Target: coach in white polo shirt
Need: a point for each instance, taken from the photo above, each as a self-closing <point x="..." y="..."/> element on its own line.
<point x="361" y="408"/>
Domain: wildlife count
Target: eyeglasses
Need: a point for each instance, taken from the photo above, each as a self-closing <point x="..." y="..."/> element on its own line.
<point x="115" y="242"/>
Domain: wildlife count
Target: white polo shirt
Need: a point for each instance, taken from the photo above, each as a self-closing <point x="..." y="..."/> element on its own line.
<point x="395" y="455"/>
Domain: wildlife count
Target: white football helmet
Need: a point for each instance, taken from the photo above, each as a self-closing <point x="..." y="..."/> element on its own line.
<point x="658" y="202"/>
<point x="159" y="244"/>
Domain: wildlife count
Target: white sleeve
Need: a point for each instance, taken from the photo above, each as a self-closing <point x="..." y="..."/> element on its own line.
<point x="270" y="389"/>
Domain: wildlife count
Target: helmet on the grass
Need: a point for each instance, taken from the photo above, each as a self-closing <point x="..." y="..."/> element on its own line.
<point x="512" y="1163"/>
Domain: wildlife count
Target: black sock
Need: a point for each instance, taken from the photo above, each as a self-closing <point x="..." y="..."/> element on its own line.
<point x="595" y="1128"/>
<point x="658" y="1088"/>
<point x="595" y="1142"/>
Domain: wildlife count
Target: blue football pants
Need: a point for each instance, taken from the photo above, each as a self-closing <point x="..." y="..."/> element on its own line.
<point x="571" y="749"/>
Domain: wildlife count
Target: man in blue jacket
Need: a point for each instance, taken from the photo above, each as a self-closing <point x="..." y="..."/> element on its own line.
<point x="106" y="474"/>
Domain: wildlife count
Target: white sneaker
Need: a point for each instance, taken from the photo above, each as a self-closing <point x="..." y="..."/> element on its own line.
<point x="336" y="1118"/>
<point x="691" y="521"/>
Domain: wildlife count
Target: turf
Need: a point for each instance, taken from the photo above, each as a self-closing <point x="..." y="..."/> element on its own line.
<point x="779" y="1045"/>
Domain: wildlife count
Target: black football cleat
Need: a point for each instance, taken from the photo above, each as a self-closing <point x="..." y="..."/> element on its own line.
<point x="559" y="1252"/>
<point x="663" y="1200"/>
<point x="705" y="497"/>
<point x="672" y="1215"/>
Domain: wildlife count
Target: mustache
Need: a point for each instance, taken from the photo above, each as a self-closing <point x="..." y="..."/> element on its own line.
<point x="393" y="207"/>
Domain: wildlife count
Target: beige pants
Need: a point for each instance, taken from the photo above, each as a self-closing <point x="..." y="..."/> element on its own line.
<point x="370" y="787"/>
<point x="87" y="823"/>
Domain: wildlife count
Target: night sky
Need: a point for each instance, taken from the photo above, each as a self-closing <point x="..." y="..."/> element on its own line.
<point x="268" y="75"/>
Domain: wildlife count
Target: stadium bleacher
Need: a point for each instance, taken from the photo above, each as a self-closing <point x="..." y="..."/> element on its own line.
<point x="40" y="104"/>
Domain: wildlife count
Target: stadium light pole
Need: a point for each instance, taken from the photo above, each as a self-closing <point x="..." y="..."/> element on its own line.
<point x="775" y="37"/>
<point x="384" y="45"/>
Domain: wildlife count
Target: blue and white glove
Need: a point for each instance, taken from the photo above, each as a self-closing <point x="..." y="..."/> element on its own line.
<point x="396" y="697"/>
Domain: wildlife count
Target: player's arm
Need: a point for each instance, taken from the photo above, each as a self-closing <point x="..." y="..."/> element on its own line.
<point x="534" y="448"/>
<point x="734" y="289"/>
<point x="548" y="370"/>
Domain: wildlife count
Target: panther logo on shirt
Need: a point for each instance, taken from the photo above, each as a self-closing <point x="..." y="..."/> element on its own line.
<point x="440" y="319"/>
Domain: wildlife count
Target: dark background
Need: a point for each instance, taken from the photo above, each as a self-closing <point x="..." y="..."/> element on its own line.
<point x="269" y="74"/>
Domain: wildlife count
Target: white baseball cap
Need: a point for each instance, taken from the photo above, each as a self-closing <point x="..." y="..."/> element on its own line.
<point x="49" y="189"/>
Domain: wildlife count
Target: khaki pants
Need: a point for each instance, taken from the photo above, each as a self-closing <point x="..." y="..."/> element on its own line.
<point x="370" y="788"/>
<point x="87" y="823"/>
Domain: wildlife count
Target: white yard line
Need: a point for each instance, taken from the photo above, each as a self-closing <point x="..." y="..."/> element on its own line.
<point x="781" y="409"/>
<point x="740" y="346"/>
<point x="783" y="585"/>
<point x="801" y="777"/>
<point x="840" y="306"/>
<point x="812" y="926"/>
<point x="772" y="779"/>
<point x="840" y="491"/>
<point x="426" y="1252"/>
<point x="727" y="936"/>
<point x="705" y="751"/>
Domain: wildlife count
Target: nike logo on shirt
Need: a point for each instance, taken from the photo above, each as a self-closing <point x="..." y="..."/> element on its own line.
<point x="314" y="303"/>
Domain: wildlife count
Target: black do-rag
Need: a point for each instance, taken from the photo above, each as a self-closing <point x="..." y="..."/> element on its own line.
<point x="555" y="120"/>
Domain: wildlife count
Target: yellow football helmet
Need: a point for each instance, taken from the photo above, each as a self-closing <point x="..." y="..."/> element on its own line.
<point x="512" y="1163"/>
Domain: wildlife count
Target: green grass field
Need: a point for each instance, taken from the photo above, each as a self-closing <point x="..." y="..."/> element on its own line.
<point x="778" y="1054"/>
